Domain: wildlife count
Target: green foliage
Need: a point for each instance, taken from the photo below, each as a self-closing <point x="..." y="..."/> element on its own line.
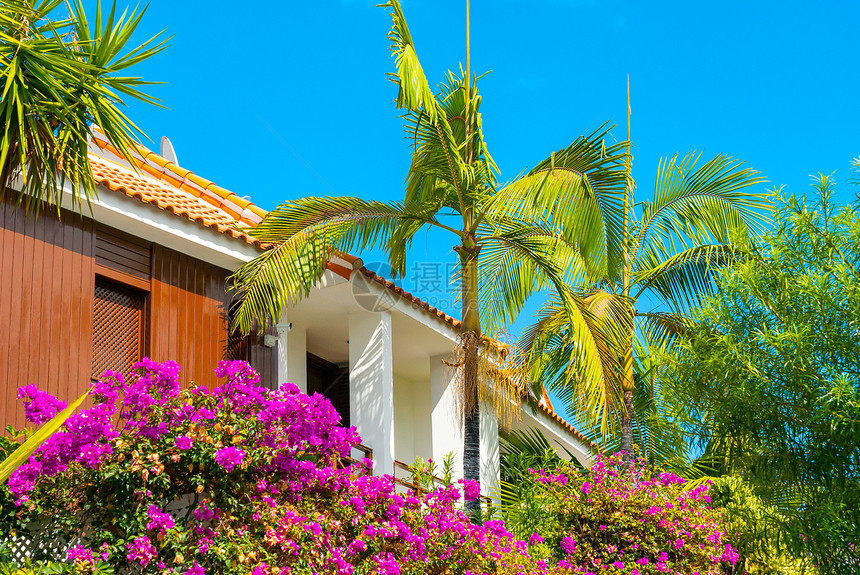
<point x="757" y="530"/>
<point x="58" y="78"/>
<point x="771" y="374"/>
<point x="54" y="568"/>
<point x="520" y="452"/>
<point x="427" y="475"/>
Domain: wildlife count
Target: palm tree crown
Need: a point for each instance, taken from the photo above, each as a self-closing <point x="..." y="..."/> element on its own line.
<point x="660" y="253"/>
<point x="452" y="174"/>
<point x="58" y="78"/>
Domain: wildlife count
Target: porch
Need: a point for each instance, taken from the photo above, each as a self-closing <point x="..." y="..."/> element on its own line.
<point x="379" y="359"/>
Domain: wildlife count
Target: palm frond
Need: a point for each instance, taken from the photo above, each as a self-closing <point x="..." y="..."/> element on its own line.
<point x="702" y="205"/>
<point x="303" y="235"/>
<point x="575" y="346"/>
<point x="579" y="191"/>
<point x="60" y="79"/>
<point x="439" y="170"/>
<point x="414" y="92"/>
<point x="682" y="279"/>
<point x="517" y="260"/>
<point x="663" y="327"/>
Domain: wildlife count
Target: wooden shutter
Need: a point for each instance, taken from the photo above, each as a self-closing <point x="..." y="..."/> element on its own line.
<point x="117" y="327"/>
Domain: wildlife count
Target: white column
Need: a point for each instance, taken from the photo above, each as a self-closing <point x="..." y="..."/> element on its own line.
<point x="490" y="463"/>
<point x="371" y="385"/>
<point x="292" y="355"/>
<point x="446" y="430"/>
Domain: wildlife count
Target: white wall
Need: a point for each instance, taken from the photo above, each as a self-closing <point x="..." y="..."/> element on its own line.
<point x="412" y="420"/>
<point x="422" y="419"/>
<point x="404" y="422"/>
<point x="446" y="431"/>
<point x="489" y="450"/>
<point x="371" y="385"/>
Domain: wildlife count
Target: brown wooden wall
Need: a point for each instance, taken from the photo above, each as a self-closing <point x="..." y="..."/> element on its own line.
<point x="47" y="278"/>
<point x="189" y="304"/>
<point x="48" y="266"/>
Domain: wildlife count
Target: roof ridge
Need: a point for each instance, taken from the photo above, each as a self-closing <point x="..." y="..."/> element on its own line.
<point x="242" y="210"/>
<point x="118" y="177"/>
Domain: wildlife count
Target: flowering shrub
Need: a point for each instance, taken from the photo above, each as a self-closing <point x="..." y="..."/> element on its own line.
<point x="156" y="479"/>
<point x="244" y="480"/>
<point x="616" y="520"/>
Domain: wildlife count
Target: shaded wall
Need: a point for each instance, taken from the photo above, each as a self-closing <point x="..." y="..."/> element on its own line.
<point x="47" y="279"/>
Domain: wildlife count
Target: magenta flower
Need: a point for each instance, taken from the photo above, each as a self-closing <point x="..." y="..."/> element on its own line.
<point x="141" y="550"/>
<point x="229" y="457"/>
<point x="471" y="490"/>
<point x="535" y="539"/>
<point x="568" y="545"/>
<point x="183" y="442"/>
<point x="158" y="519"/>
<point x="80" y="554"/>
<point x="39" y="406"/>
<point x="386" y="564"/>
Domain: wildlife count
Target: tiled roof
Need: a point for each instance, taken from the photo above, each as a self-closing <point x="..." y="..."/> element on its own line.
<point x="181" y="183"/>
<point x="418" y="302"/>
<point x="166" y="197"/>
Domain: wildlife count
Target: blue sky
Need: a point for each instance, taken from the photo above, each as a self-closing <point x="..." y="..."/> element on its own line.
<point x="280" y="100"/>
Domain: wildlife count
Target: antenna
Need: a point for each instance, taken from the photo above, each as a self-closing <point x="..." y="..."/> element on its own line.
<point x="167" y="151"/>
<point x="468" y="138"/>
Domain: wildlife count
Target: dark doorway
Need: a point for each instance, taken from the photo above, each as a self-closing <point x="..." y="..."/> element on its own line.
<point x="331" y="381"/>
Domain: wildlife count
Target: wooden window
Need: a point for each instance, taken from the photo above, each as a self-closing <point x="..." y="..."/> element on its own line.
<point x="118" y="327"/>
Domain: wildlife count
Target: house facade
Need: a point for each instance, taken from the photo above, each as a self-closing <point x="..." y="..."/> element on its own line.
<point x="143" y="272"/>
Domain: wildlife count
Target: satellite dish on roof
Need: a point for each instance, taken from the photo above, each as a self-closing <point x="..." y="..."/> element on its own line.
<point x="167" y="151"/>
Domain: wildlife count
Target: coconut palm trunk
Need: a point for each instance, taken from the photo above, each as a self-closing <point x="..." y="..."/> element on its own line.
<point x="471" y="327"/>
<point x="627" y="382"/>
<point x="470" y="339"/>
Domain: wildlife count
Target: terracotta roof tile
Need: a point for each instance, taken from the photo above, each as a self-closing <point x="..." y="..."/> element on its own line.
<point x="166" y="197"/>
<point x="421" y="304"/>
<point x="241" y="210"/>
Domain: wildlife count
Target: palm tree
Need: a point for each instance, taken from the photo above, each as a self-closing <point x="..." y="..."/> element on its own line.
<point x="58" y="78"/>
<point x="451" y="185"/>
<point x="660" y="253"/>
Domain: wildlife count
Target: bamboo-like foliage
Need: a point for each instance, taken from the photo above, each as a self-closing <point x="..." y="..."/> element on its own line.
<point x="452" y="185"/>
<point x="702" y="217"/>
<point x="58" y="78"/>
